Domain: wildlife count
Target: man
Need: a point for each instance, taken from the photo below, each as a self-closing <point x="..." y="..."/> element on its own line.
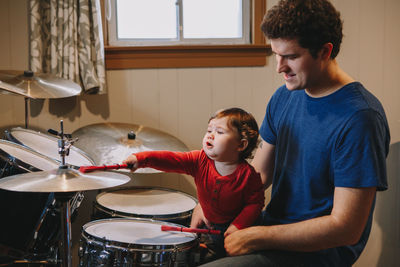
<point x="325" y="139"/>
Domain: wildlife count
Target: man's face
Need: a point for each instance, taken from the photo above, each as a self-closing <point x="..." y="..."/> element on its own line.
<point x="300" y="70"/>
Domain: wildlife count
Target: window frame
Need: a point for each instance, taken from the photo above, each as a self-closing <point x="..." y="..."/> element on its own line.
<point x="187" y="56"/>
<point x="180" y="39"/>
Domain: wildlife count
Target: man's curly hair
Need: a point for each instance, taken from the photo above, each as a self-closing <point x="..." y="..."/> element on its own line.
<point x="312" y="23"/>
<point x="244" y="123"/>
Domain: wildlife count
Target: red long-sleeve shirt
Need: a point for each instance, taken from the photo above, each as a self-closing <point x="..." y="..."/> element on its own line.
<point x="237" y="198"/>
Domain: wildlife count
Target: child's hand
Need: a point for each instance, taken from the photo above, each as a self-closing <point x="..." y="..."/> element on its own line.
<point x="133" y="161"/>
<point x="230" y="230"/>
<point x="198" y="218"/>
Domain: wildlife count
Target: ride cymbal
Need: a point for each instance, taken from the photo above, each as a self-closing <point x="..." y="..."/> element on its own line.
<point x="62" y="180"/>
<point x="111" y="143"/>
<point x="37" y="85"/>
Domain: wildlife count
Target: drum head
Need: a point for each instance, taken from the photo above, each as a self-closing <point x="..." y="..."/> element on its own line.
<point x="48" y="146"/>
<point x="147" y="202"/>
<point x="143" y="234"/>
<point x="25" y="158"/>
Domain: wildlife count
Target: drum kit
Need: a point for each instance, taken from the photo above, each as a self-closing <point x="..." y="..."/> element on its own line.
<point x="41" y="189"/>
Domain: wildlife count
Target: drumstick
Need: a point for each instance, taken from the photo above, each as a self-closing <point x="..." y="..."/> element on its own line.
<point x="190" y="230"/>
<point x="104" y="167"/>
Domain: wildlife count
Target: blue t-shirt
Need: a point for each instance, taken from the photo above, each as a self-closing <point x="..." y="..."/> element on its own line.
<point x="340" y="140"/>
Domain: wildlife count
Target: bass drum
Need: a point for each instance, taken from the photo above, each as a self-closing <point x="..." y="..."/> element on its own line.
<point x="145" y="203"/>
<point x="131" y="242"/>
<point x="30" y="223"/>
<point x="47" y="145"/>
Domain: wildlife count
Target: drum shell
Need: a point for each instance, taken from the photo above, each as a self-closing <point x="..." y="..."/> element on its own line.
<point x="30" y="222"/>
<point x="181" y="217"/>
<point x="100" y="252"/>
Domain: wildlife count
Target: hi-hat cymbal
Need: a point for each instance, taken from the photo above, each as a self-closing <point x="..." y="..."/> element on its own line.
<point x="111" y="143"/>
<point x="38" y="85"/>
<point x="62" y="180"/>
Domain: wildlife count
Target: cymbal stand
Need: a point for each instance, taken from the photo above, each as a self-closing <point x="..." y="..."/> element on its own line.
<point x="65" y="206"/>
<point x="65" y="243"/>
<point x="26" y="112"/>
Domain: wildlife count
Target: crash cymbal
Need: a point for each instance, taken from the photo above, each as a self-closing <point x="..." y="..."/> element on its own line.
<point x="11" y="89"/>
<point x="62" y="180"/>
<point x="110" y="143"/>
<point x="38" y="85"/>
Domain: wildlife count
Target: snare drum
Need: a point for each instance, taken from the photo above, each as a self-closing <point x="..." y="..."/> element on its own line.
<point x="47" y="145"/>
<point x="134" y="242"/>
<point x="145" y="202"/>
<point x="29" y="223"/>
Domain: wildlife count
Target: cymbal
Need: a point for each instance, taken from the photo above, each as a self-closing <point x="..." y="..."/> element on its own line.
<point x="62" y="180"/>
<point x="38" y="85"/>
<point x="111" y="143"/>
<point x="11" y="89"/>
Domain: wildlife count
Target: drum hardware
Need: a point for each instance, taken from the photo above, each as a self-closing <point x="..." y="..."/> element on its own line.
<point x="76" y="201"/>
<point x="110" y="143"/>
<point x="63" y="182"/>
<point x="36" y="86"/>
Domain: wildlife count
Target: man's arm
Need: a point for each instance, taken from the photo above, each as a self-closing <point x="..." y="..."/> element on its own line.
<point x="263" y="162"/>
<point x="344" y="226"/>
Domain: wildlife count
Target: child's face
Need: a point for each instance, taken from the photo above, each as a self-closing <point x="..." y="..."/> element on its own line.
<point x="220" y="142"/>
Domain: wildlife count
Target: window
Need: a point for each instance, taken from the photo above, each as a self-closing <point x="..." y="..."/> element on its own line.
<point x="180" y="47"/>
<point x="179" y="22"/>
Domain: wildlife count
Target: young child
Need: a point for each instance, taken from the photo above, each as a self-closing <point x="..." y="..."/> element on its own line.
<point x="229" y="190"/>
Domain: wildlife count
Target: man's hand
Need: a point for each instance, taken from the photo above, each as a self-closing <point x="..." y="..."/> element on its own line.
<point x="241" y="242"/>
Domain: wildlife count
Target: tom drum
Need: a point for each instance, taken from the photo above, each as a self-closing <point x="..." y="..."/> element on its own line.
<point x="145" y="203"/>
<point x="134" y="242"/>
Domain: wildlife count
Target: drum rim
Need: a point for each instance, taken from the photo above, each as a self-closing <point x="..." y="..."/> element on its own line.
<point x="18" y="162"/>
<point x="136" y="247"/>
<point x="12" y="138"/>
<point x="171" y="216"/>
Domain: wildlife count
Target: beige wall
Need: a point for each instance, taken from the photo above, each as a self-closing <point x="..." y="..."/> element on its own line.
<point x="180" y="101"/>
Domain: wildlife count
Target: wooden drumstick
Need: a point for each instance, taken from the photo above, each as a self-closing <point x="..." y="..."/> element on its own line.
<point x="85" y="169"/>
<point x="190" y="230"/>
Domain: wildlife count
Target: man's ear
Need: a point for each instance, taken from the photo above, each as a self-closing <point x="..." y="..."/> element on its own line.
<point x="326" y="51"/>
<point x="243" y="144"/>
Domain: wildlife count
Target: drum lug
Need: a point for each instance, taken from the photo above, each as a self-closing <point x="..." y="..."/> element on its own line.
<point x="173" y="256"/>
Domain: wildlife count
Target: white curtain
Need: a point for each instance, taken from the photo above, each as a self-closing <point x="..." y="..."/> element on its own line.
<point x="66" y="40"/>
